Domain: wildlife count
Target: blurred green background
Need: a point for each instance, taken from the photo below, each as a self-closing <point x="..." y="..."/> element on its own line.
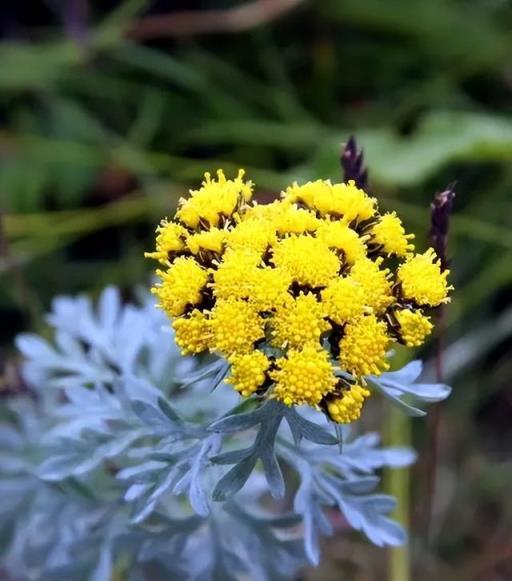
<point x="109" y="111"/>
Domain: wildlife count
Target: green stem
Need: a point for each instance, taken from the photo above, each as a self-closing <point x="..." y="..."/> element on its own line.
<point x="398" y="484"/>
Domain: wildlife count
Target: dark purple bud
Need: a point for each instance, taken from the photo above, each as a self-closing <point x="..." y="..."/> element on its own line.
<point x="75" y="20"/>
<point x="352" y="162"/>
<point x="440" y="210"/>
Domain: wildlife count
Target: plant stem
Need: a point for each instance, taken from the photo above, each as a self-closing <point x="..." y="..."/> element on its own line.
<point x="398" y="484"/>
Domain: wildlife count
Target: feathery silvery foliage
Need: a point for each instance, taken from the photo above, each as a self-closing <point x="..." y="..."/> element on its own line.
<point x="125" y="461"/>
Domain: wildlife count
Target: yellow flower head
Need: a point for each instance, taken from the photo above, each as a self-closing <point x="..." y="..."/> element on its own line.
<point x="169" y="240"/>
<point x="293" y="220"/>
<point x="311" y="194"/>
<point x="422" y="281"/>
<point x="364" y="345"/>
<point x="251" y="234"/>
<point x="374" y="280"/>
<point x="300" y="322"/>
<point x="210" y="240"/>
<point x="288" y="292"/>
<point x="235" y="327"/>
<point x="235" y="275"/>
<point x="347" y="407"/>
<point x="248" y="372"/>
<point x="389" y="233"/>
<point x="352" y="203"/>
<point x="240" y="275"/>
<point x="192" y="332"/>
<point x="346" y="201"/>
<point x="181" y="285"/>
<point x="415" y="327"/>
<point x="339" y="236"/>
<point x="307" y="259"/>
<point x="215" y="199"/>
<point x="344" y="300"/>
<point x="263" y="213"/>
<point x="270" y="288"/>
<point x="303" y="376"/>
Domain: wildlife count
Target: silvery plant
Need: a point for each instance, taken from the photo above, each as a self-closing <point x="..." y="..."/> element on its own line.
<point x="124" y="460"/>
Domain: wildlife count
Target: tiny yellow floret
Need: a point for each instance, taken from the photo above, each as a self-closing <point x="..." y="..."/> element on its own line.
<point x="307" y="259"/>
<point x="293" y="220"/>
<point x="364" y="345"/>
<point x="345" y="201"/>
<point x="375" y="283"/>
<point x="169" y="240"/>
<point x="270" y="288"/>
<point x="339" y="236"/>
<point x="311" y="194"/>
<point x="347" y="408"/>
<point x="248" y="372"/>
<point x="344" y="300"/>
<point x="415" y="327"/>
<point x="235" y="275"/>
<point x="192" y="333"/>
<point x="211" y="240"/>
<point x="300" y="322"/>
<point x="303" y="377"/>
<point x="389" y="233"/>
<point x="235" y="327"/>
<point x="215" y="198"/>
<point x="181" y="285"/>
<point x="422" y="281"/>
<point x="352" y="203"/>
<point x="251" y="234"/>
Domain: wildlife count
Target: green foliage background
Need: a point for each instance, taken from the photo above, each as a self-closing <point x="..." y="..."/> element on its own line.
<point x="99" y="138"/>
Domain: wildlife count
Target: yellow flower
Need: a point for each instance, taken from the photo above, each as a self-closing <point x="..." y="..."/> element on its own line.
<point x="352" y="203"/>
<point x="347" y="407"/>
<point x="248" y="372"/>
<point x="310" y="194"/>
<point x="293" y="220"/>
<point x="344" y="300"/>
<point x="422" y="281"/>
<point x="297" y="278"/>
<point x="363" y="346"/>
<point x="375" y="283"/>
<point x="251" y="234"/>
<point x="262" y="213"/>
<point x="300" y="322"/>
<point x="215" y="199"/>
<point x="270" y="288"/>
<point x="414" y="327"/>
<point x="345" y="201"/>
<point x="181" y="285"/>
<point x="169" y="241"/>
<point x="192" y="332"/>
<point x="239" y="276"/>
<point x="307" y="259"/>
<point x="235" y="275"/>
<point x="212" y="240"/>
<point x="338" y="235"/>
<point x="389" y="233"/>
<point x="235" y="327"/>
<point x="303" y="377"/>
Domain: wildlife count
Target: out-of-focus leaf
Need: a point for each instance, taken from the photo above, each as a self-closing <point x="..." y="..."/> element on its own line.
<point x="26" y="66"/>
<point x="397" y="384"/>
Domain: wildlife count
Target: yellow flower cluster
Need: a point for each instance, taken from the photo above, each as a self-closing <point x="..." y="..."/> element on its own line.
<point x="304" y="296"/>
<point x="346" y="407"/>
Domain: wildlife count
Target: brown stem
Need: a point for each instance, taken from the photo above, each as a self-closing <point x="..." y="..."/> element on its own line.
<point x="190" y="23"/>
<point x="440" y="216"/>
<point x="434" y="423"/>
